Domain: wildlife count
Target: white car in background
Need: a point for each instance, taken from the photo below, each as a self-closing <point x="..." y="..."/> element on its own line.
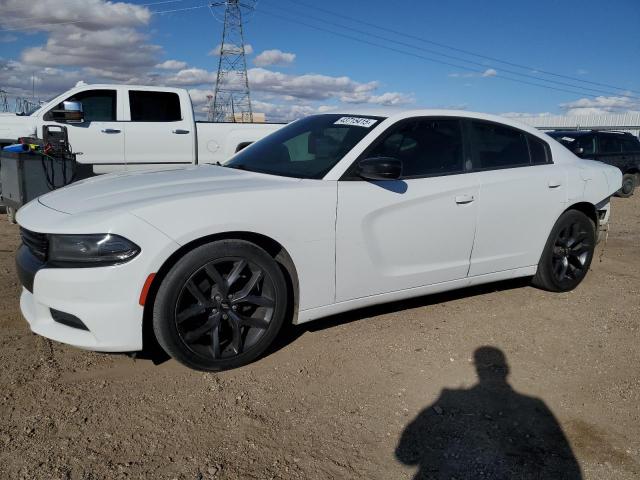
<point x="330" y="213"/>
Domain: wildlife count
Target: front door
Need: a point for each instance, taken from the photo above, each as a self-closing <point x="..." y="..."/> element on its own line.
<point x="100" y="138"/>
<point x="412" y="232"/>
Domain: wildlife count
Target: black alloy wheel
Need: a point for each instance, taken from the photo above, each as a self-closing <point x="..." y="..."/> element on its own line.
<point x="220" y="306"/>
<point x="568" y="253"/>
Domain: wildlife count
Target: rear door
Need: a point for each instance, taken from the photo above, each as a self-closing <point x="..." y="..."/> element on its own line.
<point x="522" y="193"/>
<point x="160" y="128"/>
<point x="100" y="138"/>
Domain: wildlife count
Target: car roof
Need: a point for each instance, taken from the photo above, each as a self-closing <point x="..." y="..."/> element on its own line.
<point x="397" y="113"/>
<point x="570" y="133"/>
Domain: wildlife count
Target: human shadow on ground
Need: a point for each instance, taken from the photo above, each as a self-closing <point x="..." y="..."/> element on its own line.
<point x="488" y="431"/>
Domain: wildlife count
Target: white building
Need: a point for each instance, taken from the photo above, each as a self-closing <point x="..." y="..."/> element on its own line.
<point x="628" y="122"/>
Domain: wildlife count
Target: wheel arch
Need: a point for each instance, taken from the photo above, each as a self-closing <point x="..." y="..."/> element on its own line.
<point x="589" y="209"/>
<point x="277" y="251"/>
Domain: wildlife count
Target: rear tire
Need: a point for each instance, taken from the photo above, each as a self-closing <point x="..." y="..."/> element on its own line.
<point x="220" y="306"/>
<point x="567" y="254"/>
<point x="628" y="185"/>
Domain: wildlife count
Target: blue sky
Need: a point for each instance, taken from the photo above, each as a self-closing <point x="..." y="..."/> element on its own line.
<point x="589" y="40"/>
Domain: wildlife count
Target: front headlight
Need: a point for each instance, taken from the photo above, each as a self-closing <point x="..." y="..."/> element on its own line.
<point x="90" y="250"/>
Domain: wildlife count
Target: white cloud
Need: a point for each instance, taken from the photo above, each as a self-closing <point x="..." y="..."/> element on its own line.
<point x="601" y="105"/>
<point x="94" y="34"/>
<point x="171" y="65"/>
<point x="274" y="57"/>
<point x="191" y="77"/>
<point x="525" y="114"/>
<point x="489" y="72"/>
<point x="231" y="48"/>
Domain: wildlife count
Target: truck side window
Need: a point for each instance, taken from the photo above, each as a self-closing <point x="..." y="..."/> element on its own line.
<point x="154" y="106"/>
<point x="588" y="144"/>
<point x="630" y="145"/>
<point x="97" y="105"/>
<point x="610" y="144"/>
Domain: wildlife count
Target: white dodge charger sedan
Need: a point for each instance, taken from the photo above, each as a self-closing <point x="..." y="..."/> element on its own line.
<point x="330" y="213"/>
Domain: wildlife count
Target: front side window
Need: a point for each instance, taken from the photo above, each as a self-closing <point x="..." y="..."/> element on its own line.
<point x="426" y="147"/>
<point x="498" y="146"/>
<point x="587" y="144"/>
<point x="154" y="106"/>
<point x="610" y="144"/>
<point x="308" y="148"/>
<point x="97" y="105"/>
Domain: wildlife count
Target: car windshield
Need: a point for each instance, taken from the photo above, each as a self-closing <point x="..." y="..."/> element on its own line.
<point x="307" y="148"/>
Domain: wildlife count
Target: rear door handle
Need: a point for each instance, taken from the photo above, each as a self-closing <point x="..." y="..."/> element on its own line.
<point x="464" y="199"/>
<point x="554" y="183"/>
<point x="110" y="130"/>
<point x="179" y="131"/>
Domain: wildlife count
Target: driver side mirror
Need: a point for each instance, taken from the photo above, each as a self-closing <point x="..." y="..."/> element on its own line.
<point x="71" y="112"/>
<point x="379" y="168"/>
<point x="578" y="151"/>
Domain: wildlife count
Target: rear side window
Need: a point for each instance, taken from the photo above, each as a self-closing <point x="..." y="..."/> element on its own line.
<point x="426" y="147"/>
<point x="97" y="105"/>
<point x="154" y="106"/>
<point x="539" y="151"/>
<point x="498" y="146"/>
<point x="630" y="145"/>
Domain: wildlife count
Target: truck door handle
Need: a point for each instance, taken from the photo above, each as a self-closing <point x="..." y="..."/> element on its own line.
<point x="110" y="130"/>
<point x="464" y="199"/>
<point x="554" y="183"/>
<point x="179" y="131"/>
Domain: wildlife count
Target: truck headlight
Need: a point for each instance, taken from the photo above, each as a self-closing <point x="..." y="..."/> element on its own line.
<point x="90" y="250"/>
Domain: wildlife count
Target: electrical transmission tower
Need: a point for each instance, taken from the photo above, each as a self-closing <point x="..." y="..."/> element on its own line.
<point x="231" y="99"/>
<point x="4" y="102"/>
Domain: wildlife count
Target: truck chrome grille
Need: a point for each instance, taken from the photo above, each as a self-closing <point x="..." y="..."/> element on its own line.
<point x="37" y="243"/>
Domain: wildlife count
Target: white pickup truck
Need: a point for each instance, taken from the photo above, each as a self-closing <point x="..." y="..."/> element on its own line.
<point x="117" y="127"/>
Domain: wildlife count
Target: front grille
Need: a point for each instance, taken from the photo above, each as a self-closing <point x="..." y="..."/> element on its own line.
<point x="37" y="243"/>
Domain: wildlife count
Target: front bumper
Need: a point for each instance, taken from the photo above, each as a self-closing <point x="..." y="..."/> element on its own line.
<point x="100" y="297"/>
<point x="105" y="300"/>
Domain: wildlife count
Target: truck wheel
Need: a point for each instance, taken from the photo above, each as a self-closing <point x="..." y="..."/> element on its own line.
<point x="628" y="185"/>
<point x="220" y="306"/>
<point x="568" y="253"/>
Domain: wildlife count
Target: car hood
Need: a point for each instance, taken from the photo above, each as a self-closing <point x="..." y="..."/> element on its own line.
<point x="13" y="126"/>
<point x="128" y="191"/>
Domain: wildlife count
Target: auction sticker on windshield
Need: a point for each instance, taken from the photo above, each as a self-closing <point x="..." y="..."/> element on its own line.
<point x="356" y="121"/>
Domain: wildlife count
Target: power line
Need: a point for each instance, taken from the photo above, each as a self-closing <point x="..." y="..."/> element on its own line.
<point x="459" y="59"/>
<point x="450" y="47"/>
<point x="423" y="57"/>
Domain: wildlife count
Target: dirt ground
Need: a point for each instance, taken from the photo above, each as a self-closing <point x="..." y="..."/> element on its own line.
<point x="381" y="393"/>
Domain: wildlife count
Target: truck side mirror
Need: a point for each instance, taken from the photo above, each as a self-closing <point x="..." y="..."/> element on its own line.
<point x="71" y="112"/>
<point x="578" y="151"/>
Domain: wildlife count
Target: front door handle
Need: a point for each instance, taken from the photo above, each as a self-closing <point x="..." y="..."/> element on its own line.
<point x="554" y="183"/>
<point x="110" y="130"/>
<point x="179" y="131"/>
<point x="464" y="199"/>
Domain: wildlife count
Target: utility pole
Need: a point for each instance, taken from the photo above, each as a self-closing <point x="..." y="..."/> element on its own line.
<point x="232" y="99"/>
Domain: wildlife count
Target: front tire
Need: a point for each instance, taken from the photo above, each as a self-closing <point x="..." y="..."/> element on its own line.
<point x="220" y="306"/>
<point x="567" y="254"/>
